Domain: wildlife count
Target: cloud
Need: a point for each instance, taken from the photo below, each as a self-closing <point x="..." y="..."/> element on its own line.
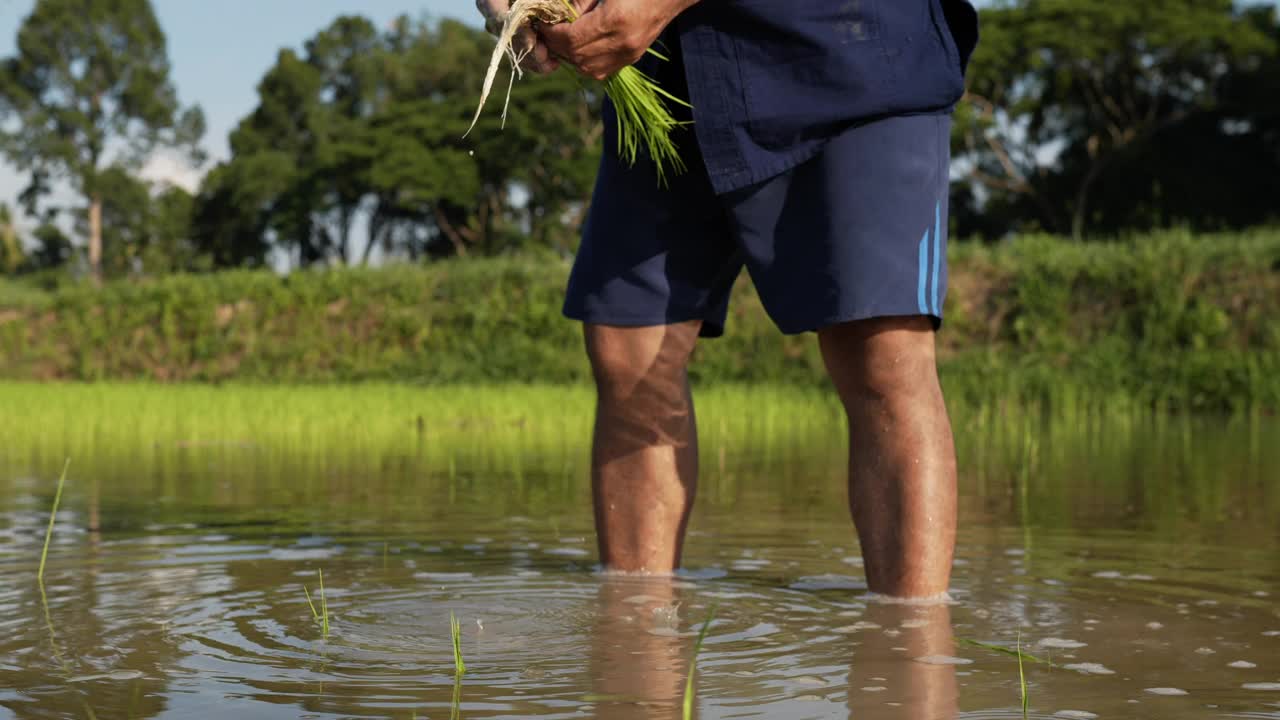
<point x="166" y="167"/>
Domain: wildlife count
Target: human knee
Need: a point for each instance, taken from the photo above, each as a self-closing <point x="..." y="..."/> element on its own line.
<point x="640" y="377"/>
<point x="889" y="357"/>
<point x="629" y="360"/>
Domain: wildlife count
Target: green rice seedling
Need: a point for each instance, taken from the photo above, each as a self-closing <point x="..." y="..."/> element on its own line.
<point x="321" y="615"/>
<point x="455" y="632"/>
<point x="1015" y="653"/>
<point x="643" y="116"/>
<point x="53" y="514"/>
<point x="1022" y="676"/>
<point x="324" y="607"/>
<point x="693" y="664"/>
<point x="455" y="707"/>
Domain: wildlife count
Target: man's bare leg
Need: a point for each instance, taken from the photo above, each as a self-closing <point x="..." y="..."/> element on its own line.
<point x="645" y="453"/>
<point x="902" y="466"/>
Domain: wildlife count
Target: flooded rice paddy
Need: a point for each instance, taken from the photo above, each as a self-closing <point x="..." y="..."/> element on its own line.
<point x="1135" y="563"/>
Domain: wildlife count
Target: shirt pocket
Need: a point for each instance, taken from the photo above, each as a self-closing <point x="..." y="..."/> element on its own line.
<point x="809" y="66"/>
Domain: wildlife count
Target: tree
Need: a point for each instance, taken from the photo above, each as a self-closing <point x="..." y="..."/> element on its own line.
<point x="366" y="130"/>
<point x="145" y="228"/>
<point x="89" y="90"/>
<point x="229" y="216"/>
<point x="52" y="248"/>
<point x="1061" y="91"/>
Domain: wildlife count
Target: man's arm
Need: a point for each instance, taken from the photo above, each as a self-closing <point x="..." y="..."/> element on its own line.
<point x="613" y="35"/>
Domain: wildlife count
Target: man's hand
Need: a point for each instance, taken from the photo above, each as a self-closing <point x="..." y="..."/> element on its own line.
<point x="613" y="35"/>
<point x="536" y="56"/>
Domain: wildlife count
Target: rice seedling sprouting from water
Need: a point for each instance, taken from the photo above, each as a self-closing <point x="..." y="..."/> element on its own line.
<point x="455" y="705"/>
<point x="53" y="514"/>
<point x="643" y="116"/>
<point x="1022" y="677"/>
<point x="455" y="633"/>
<point x="693" y="664"/>
<point x="321" y="615"/>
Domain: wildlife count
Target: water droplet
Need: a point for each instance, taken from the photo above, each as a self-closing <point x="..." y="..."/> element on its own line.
<point x="1242" y="665"/>
<point x="1166" y="691"/>
<point x="1080" y="714"/>
<point x="1261" y="686"/>
<point x="1153" y="625"/>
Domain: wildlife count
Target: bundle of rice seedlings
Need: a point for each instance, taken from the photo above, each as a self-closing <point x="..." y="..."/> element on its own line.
<point x="643" y="117"/>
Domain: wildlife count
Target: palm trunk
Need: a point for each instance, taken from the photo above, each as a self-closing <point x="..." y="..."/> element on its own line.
<point x="95" y="239"/>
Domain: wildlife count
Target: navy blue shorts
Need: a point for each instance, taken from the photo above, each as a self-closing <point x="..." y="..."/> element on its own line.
<point x="857" y="232"/>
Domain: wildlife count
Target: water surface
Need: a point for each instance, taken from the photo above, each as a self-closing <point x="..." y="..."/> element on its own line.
<point x="1139" y="559"/>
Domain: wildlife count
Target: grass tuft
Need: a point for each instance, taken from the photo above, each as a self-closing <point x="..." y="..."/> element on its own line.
<point x="693" y="664"/>
<point x="53" y="514"/>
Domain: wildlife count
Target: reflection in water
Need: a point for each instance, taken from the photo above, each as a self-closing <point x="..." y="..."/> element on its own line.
<point x="638" y="660"/>
<point x="903" y="669"/>
<point x="901" y="661"/>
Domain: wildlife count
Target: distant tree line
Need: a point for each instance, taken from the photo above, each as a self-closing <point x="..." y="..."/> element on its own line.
<point x="1088" y="118"/>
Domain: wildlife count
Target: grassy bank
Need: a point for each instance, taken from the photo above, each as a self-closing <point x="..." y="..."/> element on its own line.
<point x="1173" y="319"/>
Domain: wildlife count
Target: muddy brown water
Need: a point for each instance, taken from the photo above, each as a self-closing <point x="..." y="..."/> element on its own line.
<point x="1140" y="564"/>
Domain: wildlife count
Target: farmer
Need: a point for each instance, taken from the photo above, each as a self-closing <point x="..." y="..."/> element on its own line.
<point x="818" y="159"/>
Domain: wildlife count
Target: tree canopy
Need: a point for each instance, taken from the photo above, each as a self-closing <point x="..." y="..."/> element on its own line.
<point x="88" y="91"/>
<point x="1081" y="115"/>
<point x="1084" y="117"/>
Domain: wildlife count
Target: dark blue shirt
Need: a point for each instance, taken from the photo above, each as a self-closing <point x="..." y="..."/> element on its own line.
<point x="771" y="80"/>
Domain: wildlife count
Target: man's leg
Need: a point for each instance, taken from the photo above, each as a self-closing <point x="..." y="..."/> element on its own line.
<point x="902" y="466"/>
<point x="645" y="454"/>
